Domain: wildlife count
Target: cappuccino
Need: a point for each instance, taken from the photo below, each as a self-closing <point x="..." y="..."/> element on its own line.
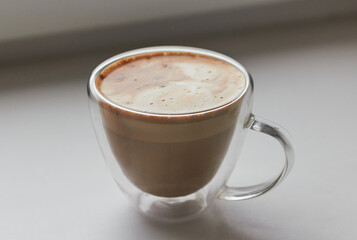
<point x="169" y="118"/>
<point x="171" y="84"/>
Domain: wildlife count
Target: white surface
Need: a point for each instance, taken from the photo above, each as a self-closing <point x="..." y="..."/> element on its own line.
<point x="54" y="183"/>
<point x="30" y="18"/>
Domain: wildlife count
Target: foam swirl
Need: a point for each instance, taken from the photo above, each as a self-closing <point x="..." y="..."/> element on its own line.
<point x="172" y="84"/>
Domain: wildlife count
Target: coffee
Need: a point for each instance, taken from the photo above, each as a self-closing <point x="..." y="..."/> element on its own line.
<point x="152" y="118"/>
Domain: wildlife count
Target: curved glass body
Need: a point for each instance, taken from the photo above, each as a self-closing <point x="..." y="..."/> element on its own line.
<point x="172" y="166"/>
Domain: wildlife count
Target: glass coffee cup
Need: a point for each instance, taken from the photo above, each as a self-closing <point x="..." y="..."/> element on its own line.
<point x="171" y="166"/>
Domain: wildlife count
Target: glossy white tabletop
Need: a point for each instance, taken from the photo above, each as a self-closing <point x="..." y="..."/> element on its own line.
<point x="54" y="184"/>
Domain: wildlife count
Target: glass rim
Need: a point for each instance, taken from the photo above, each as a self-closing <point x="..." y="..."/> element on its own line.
<point x="157" y="49"/>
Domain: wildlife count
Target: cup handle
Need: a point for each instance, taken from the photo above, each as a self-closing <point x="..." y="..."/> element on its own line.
<point x="261" y="125"/>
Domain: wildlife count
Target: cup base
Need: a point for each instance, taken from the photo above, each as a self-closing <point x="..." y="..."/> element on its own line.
<point x="172" y="209"/>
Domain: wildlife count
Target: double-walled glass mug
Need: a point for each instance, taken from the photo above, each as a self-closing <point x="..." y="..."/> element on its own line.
<point x="172" y="166"/>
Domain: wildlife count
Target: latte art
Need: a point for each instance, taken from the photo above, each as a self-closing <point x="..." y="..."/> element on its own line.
<point x="171" y="84"/>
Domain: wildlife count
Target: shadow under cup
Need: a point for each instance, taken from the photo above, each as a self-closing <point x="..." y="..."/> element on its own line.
<point x="169" y="155"/>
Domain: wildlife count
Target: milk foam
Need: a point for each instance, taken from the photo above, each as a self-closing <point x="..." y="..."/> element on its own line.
<point x="173" y="84"/>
